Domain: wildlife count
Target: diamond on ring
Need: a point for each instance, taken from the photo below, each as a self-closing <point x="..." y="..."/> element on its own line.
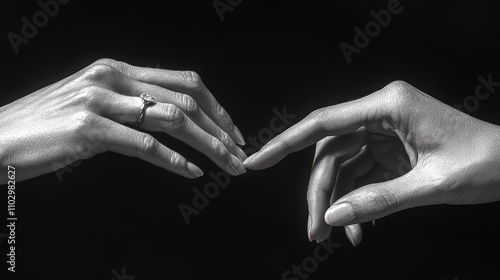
<point x="146" y="100"/>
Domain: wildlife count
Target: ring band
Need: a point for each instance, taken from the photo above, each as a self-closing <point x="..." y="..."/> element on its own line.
<point x="146" y="100"/>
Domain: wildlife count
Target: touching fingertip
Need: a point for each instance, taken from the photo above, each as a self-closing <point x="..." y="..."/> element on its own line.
<point x="241" y="154"/>
<point x="237" y="165"/>
<point x="195" y="170"/>
<point x="247" y="161"/>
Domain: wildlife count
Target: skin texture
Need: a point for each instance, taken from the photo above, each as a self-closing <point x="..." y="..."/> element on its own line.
<point x="394" y="149"/>
<point x="96" y="109"/>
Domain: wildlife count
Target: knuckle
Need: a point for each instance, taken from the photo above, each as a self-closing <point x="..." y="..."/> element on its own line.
<point x="399" y="92"/>
<point x="106" y="61"/>
<point x="147" y="144"/>
<point x="218" y="148"/>
<point x="316" y="119"/>
<point x="398" y="84"/>
<point x="382" y="199"/>
<point x="189" y="105"/>
<point x="173" y="115"/>
<point x="222" y="114"/>
<point x="99" y="72"/>
<point x="88" y="95"/>
<point x="397" y="87"/>
<point x="219" y="110"/>
<point x="117" y="65"/>
<point x="225" y="139"/>
<point x="83" y="121"/>
<point x="192" y="79"/>
<point x="177" y="160"/>
<point x="316" y="115"/>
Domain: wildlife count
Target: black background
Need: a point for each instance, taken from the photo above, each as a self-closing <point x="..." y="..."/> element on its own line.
<point x="113" y="211"/>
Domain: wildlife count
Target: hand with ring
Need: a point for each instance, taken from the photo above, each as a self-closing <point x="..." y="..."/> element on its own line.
<point x="96" y="109"/>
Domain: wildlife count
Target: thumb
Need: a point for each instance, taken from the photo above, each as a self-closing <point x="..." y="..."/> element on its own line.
<point x="378" y="200"/>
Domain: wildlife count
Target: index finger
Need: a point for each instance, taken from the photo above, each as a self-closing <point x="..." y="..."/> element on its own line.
<point x="188" y="82"/>
<point x="335" y="120"/>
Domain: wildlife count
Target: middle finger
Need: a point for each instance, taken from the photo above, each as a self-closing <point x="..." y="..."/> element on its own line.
<point x="167" y="118"/>
<point x="331" y="152"/>
<point x="121" y="83"/>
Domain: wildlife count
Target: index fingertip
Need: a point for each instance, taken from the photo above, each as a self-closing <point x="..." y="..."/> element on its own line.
<point x="267" y="157"/>
<point x="248" y="162"/>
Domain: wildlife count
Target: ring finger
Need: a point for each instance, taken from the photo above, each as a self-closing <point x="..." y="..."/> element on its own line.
<point x="167" y="118"/>
<point x="122" y="84"/>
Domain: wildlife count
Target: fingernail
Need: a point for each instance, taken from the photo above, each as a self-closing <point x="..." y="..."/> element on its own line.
<point x="309" y="227"/>
<point x="195" y="170"/>
<point x="339" y="215"/>
<point x="350" y="236"/>
<point x="323" y="238"/>
<point x="239" y="137"/>
<point x="241" y="154"/>
<point x="354" y="234"/>
<point x="237" y="165"/>
<point x="250" y="158"/>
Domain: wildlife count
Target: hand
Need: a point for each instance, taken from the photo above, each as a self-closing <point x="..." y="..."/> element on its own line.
<point x="88" y="113"/>
<point x="363" y="144"/>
